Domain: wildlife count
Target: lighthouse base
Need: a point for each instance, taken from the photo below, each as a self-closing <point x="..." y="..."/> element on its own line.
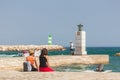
<point x="80" y="53"/>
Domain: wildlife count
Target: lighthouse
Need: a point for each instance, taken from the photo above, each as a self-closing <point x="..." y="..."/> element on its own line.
<point x="49" y="40"/>
<point x="80" y="41"/>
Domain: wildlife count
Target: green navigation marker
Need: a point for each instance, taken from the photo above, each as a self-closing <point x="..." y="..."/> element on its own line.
<point x="49" y="40"/>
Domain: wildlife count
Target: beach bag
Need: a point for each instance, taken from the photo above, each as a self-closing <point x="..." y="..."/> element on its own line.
<point x="27" y="66"/>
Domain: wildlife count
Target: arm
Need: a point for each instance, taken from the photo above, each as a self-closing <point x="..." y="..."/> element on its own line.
<point x="26" y="58"/>
<point x="36" y="63"/>
<point x="47" y="63"/>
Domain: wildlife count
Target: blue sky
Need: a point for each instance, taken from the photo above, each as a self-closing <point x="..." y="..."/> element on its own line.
<point x="31" y="21"/>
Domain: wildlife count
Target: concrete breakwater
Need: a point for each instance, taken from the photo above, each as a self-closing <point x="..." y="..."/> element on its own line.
<point x="28" y="47"/>
<point x="16" y="63"/>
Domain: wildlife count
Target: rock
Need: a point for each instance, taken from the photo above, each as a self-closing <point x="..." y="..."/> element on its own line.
<point x="117" y="54"/>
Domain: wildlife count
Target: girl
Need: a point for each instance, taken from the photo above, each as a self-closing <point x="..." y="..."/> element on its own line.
<point x="43" y="61"/>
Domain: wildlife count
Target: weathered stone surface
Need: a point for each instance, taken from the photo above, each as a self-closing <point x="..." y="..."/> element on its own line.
<point x="28" y="47"/>
<point x="80" y="43"/>
<point x="17" y="62"/>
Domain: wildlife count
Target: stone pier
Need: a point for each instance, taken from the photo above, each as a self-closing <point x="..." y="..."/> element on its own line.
<point x="16" y="63"/>
<point x="28" y="47"/>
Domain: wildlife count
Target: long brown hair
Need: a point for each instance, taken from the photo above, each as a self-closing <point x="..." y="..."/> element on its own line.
<point x="44" y="51"/>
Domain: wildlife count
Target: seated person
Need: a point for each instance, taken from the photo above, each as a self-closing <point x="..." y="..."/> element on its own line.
<point x="44" y="63"/>
<point x="32" y="61"/>
<point x="99" y="68"/>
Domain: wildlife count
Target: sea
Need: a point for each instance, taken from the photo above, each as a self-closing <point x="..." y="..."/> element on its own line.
<point x="114" y="61"/>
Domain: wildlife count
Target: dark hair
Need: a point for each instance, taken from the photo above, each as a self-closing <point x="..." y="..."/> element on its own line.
<point x="44" y="51"/>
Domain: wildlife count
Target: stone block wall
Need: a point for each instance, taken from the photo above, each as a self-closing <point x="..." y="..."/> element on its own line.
<point x="16" y="63"/>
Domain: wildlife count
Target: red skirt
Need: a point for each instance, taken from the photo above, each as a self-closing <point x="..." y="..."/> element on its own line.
<point x="45" y="69"/>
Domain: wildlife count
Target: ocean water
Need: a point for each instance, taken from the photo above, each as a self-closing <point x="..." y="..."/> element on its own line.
<point x="113" y="65"/>
<point x="114" y="61"/>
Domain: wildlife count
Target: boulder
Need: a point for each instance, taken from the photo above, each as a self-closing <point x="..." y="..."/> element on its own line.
<point x="117" y="54"/>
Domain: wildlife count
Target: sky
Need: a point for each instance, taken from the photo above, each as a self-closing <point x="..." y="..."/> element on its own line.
<point x="31" y="21"/>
